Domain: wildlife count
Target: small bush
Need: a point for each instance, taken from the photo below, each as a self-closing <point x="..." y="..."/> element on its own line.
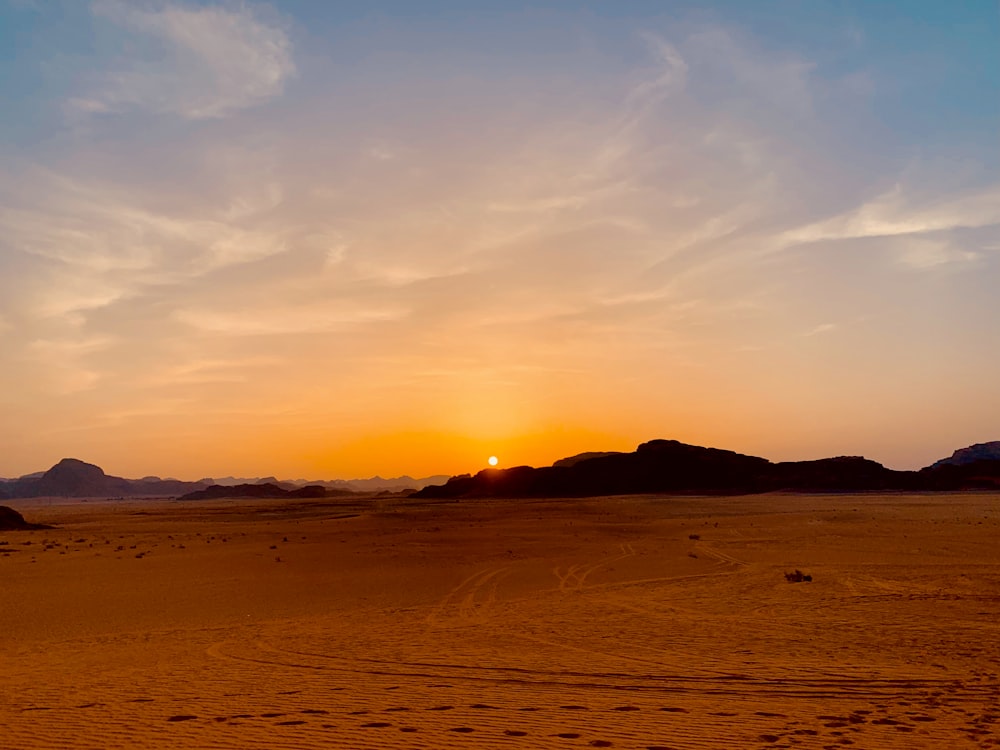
<point x="798" y="577"/>
<point x="694" y="537"/>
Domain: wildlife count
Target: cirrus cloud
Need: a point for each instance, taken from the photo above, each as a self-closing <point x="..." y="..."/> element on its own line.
<point x="201" y="62"/>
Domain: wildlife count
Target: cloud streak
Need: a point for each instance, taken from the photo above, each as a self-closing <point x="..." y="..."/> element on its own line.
<point x="200" y="63"/>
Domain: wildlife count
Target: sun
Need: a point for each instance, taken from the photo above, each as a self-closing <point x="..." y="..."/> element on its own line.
<point x="492" y="461"/>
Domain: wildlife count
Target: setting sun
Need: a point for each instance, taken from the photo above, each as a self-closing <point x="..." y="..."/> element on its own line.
<point x="492" y="461"/>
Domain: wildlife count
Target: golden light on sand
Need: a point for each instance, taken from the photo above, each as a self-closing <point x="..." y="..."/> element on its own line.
<point x="492" y="461"/>
<point x="105" y="619"/>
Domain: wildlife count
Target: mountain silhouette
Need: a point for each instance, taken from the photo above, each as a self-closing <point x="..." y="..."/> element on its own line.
<point x="669" y="466"/>
<point x="657" y="466"/>
<point x="74" y="478"/>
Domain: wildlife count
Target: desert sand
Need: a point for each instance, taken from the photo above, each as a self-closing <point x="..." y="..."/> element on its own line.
<point x="625" y="622"/>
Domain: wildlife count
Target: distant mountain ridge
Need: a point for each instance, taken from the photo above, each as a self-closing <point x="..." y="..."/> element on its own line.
<point x="72" y="477"/>
<point x="669" y="466"/>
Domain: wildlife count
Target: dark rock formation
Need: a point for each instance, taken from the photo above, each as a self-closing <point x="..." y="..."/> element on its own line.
<point x="842" y="474"/>
<point x="976" y="475"/>
<point x="571" y="460"/>
<point x="667" y="466"/>
<point x="11" y="520"/>
<point x="977" y="452"/>
<point x="267" y="490"/>
<point x="656" y="466"/>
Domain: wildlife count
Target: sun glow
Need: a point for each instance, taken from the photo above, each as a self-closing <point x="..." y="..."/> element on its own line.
<point x="492" y="461"/>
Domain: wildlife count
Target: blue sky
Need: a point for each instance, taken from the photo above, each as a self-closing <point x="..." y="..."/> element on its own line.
<point x="335" y="239"/>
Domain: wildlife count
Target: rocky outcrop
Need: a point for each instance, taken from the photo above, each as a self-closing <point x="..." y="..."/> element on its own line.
<point x="668" y="466"/>
<point x="266" y="490"/>
<point x="977" y="452"/>
<point x="975" y="475"/>
<point x="656" y="466"/>
<point x="11" y="520"/>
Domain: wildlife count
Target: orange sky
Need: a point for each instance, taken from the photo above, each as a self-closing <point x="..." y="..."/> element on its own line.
<point x="311" y="242"/>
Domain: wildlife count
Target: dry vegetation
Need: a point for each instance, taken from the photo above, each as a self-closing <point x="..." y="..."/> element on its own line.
<point x="620" y="622"/>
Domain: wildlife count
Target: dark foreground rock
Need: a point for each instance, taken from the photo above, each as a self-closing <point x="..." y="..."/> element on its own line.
<point x="11" y="520"/>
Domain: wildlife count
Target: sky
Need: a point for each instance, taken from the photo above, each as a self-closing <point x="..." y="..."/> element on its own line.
<point x="319" y="239"/>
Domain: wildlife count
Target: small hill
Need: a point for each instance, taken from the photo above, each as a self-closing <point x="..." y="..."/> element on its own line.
<point x="11" y="520"/>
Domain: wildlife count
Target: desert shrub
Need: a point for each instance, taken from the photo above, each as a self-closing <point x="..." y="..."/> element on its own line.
<point x="694" y="537"/>
<point x="798" y="577"/>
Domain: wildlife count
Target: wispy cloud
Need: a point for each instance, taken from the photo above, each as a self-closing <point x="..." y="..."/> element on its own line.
<point x="821" y="329"/>
<point x="102" y="245"/>
<point x="65" y="363"/>
<point x="893" y="213"/>
<point x="200" y="62"/>
<point x="283" y="321"/>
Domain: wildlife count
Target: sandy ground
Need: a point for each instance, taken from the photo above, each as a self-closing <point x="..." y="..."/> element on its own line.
<point x="631" y="622"/>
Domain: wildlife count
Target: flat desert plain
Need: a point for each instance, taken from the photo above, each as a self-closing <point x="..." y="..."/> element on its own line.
<point x="624" y="622"/>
